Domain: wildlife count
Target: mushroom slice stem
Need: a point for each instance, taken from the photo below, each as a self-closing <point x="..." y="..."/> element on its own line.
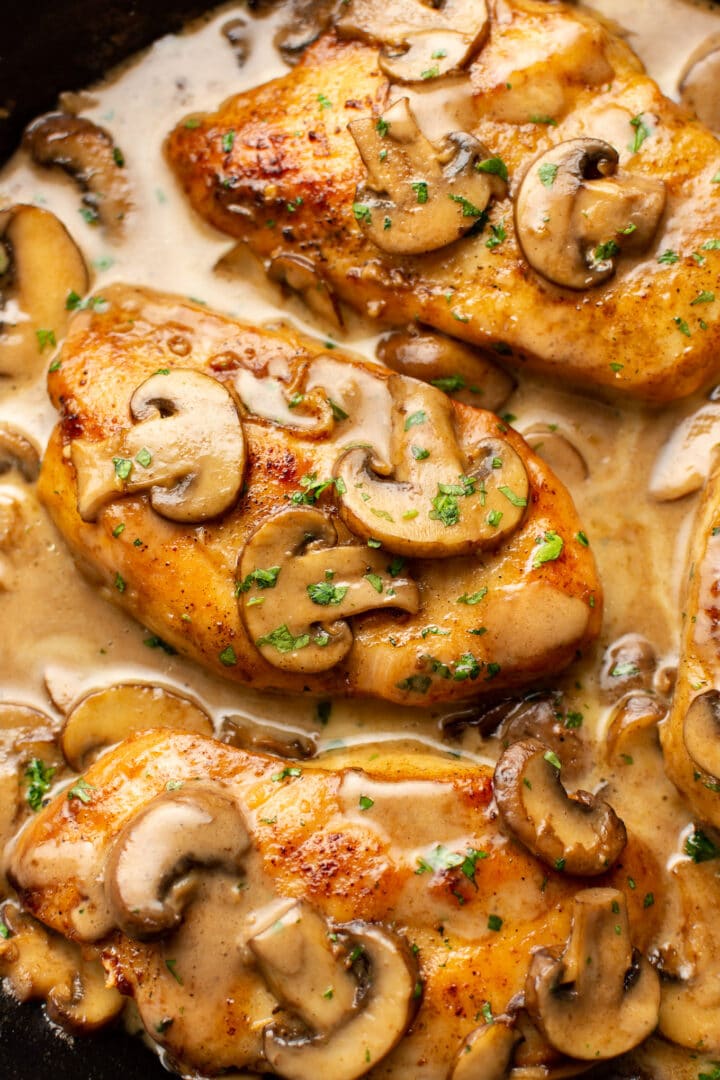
<point x="297" y="586"/>
<point x="487" y="1052"/>
<point x="187" y="449"/>
<point x="418" y="196"/>
<point x="378" y="1020"/>
<point x="599" y="998"/>
<point x="579" y="834"/>
<point x="437" y="504"/>
<point x="576" y="212"/>
<point x="434" y="39"/>
<point x="701" y="732"/>
<point x="148" y="878"/>
<point x="86" y="151"/>
<point x="40" y="264"/>
<point x="301" y="967"/>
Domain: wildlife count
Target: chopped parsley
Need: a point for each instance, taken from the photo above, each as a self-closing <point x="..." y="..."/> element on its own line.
<point x="669" y="257"/>
<point x="548" y="174"/>
<point x="314" y="488"/>
<point x="325" y="593"/>
<point x="642" y="132"/>
<point x="382" y="127"/>
<point x="228" y="141"/>
<point x="552" y="759"/>
<point x="262" y="579"/>
<point x="494" y="165"/>
<point x="466" y="667"/>
<point x="39" y="776"/>
<point x="45" y="338"/>
<point x="375" y="580"/>
<point x="123" y="467"/>
<point x="417" y="684"/>
<point x="288" y="771"/>
<point x="499" y="233"/>
<point x="421" y="190"/>
<point x="449" y="383"/>
<point x="120" y="583"/>
<point x="324" y="102"/>
<point x="143" y="457"/>
<point x="284" y="640"/>
<point x="227" y="657"/>
<point x="362" y="212"/>
<point x="419" y="453"/>
<point x="550" y="549"/>
<point x="469" y="209"/>
<point x="705" y="297"/>
<point x="414" y="419"/>
<point x="516" y="500"/>
<point x="700" y="847"/>
<point x="81" y="790"/>
<point x="494" y="923"/>
<point x="682" y="326"/>
<point x="472" y="598"/>
<point x="365" y="802"/>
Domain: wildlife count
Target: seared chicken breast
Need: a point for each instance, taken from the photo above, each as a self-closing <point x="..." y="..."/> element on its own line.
<point x="533" y="193"/>
<point x="298" y="520"/>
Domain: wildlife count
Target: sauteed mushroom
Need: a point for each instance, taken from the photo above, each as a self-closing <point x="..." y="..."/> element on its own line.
<point x="576" y="212"/>
<point x="436" y="504"/>
<point x="487" y="1051"/>
<point x="418" y="197"/>
<point x="701" y="732"/>
<point x="452" y="366"/>
<point x="598" y="998"/>
<point x="40" y="265"/>
<point x="17" y="452"/>
<point x="302" y="276"/>
<point x="422" y="41"/>
<point x="87" y="152"/>
<point x="577" y="833"/>
<point x="148" y="877"/>
<point x="700" y="82"/>
<point x="188" y="448"/>
<point x="298" y="586"/>
<point x="379" y="1014"/>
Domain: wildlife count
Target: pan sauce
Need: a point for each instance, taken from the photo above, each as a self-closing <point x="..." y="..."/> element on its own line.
<point x="62" y="639"/>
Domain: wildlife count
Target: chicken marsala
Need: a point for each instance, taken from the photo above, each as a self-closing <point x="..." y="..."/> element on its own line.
<point x="296" y="519"/>
<point x="542" y="199"/>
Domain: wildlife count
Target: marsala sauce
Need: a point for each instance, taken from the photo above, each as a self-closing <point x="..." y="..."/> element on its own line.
<point x="60" y="636"/>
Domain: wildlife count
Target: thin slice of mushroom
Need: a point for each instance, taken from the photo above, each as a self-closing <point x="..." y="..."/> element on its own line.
<point x="18" y="452"/>
<point x="423" y="41"/>
<point x="303" y="968"/>
<point x="187" y="448"/>
<point x="418" y="196"/>
<point x="634" y="714"/>
<point x="700" y="82"/>
<point x="577" y="833"/>
<point x="108" y="716"/>
<point x="306" y="21"/>
<point x="438" y="503"/>
<point x="149" y="878"/>
<point x="40" y="264"/>
<point x="558" y="452"/>
<point x="487" y="1052"/>
<point x="88" y="153"/>
<point x="629" y="663"/>
<point x="701" y="732"/>
<point x="598" y="998"/>
<point x="26" y="736"/>
<point x="236" y="33"/>
<point x="268" y="737"/>
<point x="457" y="369"/>
<point x="383" y="1010"/>
<point x="576" y="212"/>
<point x="688" y="456"/>
<point x="301" y="275"/>
<point x="36" y="963"/>
<point x="297" y="586"/>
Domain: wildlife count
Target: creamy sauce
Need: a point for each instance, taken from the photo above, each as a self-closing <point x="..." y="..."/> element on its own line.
<point x="60" y="636"/>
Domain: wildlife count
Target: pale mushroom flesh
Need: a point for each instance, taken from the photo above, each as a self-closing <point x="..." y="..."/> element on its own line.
<point x="438" y="502"/>
<point x="577" y="834"/>
<point x="701" y="732"/>
<point x="299" y="586"/>
<point x="418" y="196"/>
<point x="576" y="212"/>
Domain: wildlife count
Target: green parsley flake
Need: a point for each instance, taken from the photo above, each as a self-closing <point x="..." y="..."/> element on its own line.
<point x="642" y="132"/>
<point x="472" y="598"/>
<point x="39" y="776"/>
<point x="227" y="657"/>
<point x="700" y="847"/>
<point x="449" y="383"/>
<point x="705" y="297"/>
<point x="262" y="579"/>
<point x="288" y="771"/>
<point x="543" y="120"/>
<point x="45" y="338"/>
<point x="466" y="667"/>
<point x="382" y="127"/>
<point x="421" y="190"/>
<point x="510" y="495"/>
<point x="499" y="233"/>
<point x="552" y="759"/>
<point x="324" y="102"/>
<point x="469" y="209"/>
<point x="81" y="790"/>
<point x="376" y="581"/>
<point x="669" y="257"/>
<point x="228" y="141"/>
<point x="414" y="419"/>
<point x="365" y="802"/>
<point x="550" y="549"/>
<point x="120" y="583"/>
<point x="419" y="453"/>
<point x="416" y="684"/>
<point x="494" y="165"/>
<point x="362" y="212"/>
<point x="143" y="457"/>
<point x="682" y="326"/>
<point x="582" y="539"/>
<point x="325" y="593"/>
<point x="283" y="640"/>
<point x="494" y="518"/>
<point x="494" y="923"/>
<point x="123" y="467"/>
<point x="548" y="174"/>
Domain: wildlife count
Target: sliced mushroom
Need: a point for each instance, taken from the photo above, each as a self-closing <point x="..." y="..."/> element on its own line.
<point x="487" y="1052"/>
<point x="701" y="732"/>
<point x="598" y="998"/>
<point x="418" y="196"/>
<point x="437" y="503"/>
<point x="87" y="152"/>
<point x="688" y="456"/>
<point x="108" y="716"/>
<point x="633" y="715"/>
<point x="452" y="366"/>
<point x="17" y="452"/>
<point x="577" y="833"/>
<point x="187" y="448"/>
<point x="26" y="736"/>
<point x="576" y="212"/>
<point x="303" y="968"/>
<point x="423" y="41"/>
<point x="39" y="265"/>
<point x="149" y="878"/>
<point x="307" y="20"/>
<point x="383" y="1009"/>
<point x="298" y="586"/>
<point x="302" y="276"/>
<point x="236" y="33"/>
<point x="628" y="664"/>
<point x="558" y="452"/>
<point x="700" y="82"/>
<point x="36" y="963"/>
<point x="267" y="737"/>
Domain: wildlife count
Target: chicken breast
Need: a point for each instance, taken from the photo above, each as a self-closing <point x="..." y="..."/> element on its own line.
<point x="221" y="886"/>
<point x="596" y="263"/>
<point x="298" y="520"/>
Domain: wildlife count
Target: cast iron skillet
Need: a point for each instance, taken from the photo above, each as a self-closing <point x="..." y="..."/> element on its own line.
<point x="51" y="46"/>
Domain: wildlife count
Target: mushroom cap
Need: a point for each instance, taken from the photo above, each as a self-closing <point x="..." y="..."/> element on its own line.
<point x="18" y="452"/>
<point x="187" y="448"/>
<point x="487" y="1052"/>
<point x="700" y="82"/>
<point x="598" y="999"/>
<point x="148" y="881"/>
<point x="418" y="197"/>
<point x="437" y="504"/>
<point x="577" y="833"/>
<point x="299" y="586"/>
<point x="380" y="1018"/>
<point x="701" y="732"/>
<point x="576" y="211"/>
